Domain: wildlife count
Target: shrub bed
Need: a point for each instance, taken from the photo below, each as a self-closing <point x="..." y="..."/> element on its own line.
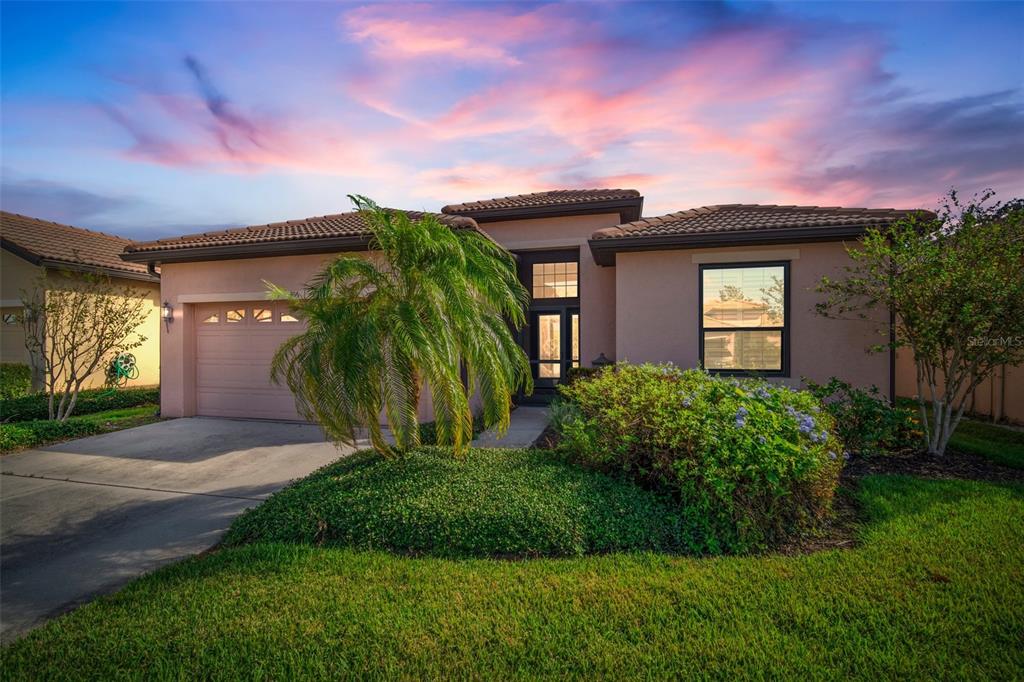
<point x="750" y="463"/>
<point x="89" y="401"/>
<point x="29" y="434"/>
<point x="18" y="435"/>
<point x="865" y="421"/>
<point x="15" y="380"/>
<point x="505" y="503"/>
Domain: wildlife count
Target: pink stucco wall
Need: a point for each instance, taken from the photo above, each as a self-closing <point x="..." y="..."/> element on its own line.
<point x="243" y="279"/>
<point x="597" y="284"/>
<point x="656" y="299"/>
<point x="217" y="280"/>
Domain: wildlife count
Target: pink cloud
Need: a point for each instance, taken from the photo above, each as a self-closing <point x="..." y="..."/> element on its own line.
<point x="415" y="31"/>
<point x="771" y="109"/>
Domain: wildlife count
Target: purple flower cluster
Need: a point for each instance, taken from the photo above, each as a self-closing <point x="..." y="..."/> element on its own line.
<point x="807" y="426"/>
<point x="741" y="417"/>
<point x="762" y="393"/>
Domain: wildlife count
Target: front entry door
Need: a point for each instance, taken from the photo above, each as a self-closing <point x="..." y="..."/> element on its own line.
<point x="551" y="338"/>
<point x="554" y="348"/>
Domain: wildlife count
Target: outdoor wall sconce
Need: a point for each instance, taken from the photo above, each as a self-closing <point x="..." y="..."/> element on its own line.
<point x="601" y="361"/>
<point x="167" y="312"/>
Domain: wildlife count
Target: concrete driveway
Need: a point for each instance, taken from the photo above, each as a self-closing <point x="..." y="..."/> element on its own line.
<point x="82" y="518"/>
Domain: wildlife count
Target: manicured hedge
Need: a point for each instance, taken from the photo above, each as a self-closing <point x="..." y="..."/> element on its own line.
<point x="491" y="502"/>
<point x="89" y="401"/>
<point x="31" y="433"/>
<point x="15" y="380"/>
<point x="18" y="435"/>
<point x="751" y="463"/>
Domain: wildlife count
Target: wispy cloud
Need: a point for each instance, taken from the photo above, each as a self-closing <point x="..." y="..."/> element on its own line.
<point x="418" y="31"/>
<point x="690" y="103"/>
<point x="55" y="201"/>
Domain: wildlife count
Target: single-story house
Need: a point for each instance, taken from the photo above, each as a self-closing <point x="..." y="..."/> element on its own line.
<point x="31" y="247"/>
<point x="728" y="287"/>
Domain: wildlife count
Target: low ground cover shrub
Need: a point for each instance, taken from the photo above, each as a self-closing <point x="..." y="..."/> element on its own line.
<point x="15" y="380"/>
<point x="27" y="434"/>
<point x="89" y="401"/>
<point x="865" y="421"/>
<point x="750" y="463"/>
<point x="493" y="502"/>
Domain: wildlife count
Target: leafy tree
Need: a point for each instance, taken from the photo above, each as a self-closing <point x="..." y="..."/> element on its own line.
<point x="430" y="304"/>
<point x="955" y="281"/>
<point x="74" y="326"/>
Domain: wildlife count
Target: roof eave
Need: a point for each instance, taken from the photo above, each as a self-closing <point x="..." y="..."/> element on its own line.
<point x="628" y="210"/>
<point x="604" y="250"/>
<point x="295" y="247"/>
<point x="56" y="264"/>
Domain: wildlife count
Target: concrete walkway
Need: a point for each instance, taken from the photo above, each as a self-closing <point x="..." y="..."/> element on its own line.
<point x="527" y="425"/>
<point x="82" y="518"/>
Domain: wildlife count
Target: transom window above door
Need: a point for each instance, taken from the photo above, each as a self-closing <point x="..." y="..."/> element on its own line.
<point x="556" y="280"/>
<point x="246" y="314"/>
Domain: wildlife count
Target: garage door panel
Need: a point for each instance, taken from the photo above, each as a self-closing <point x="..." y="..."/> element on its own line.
<point x="233" y="361"/>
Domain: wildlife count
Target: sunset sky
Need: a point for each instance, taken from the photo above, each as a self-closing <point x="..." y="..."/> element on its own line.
<point x="153" y="119"/>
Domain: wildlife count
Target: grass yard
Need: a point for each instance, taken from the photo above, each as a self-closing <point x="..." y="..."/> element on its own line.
<point x="993" y="442"/>
<point x="997" y="443"/>
<point x="29" y="434"/>
<point x="934" y="590"/>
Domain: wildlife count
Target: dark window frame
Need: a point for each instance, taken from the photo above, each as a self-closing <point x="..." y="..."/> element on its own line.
<point x="528" y="335"/>
<point x="785" y="329"/>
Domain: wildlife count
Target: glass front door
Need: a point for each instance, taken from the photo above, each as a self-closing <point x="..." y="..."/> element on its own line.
<point x="554" y="348"/>
<point x="551" y="337"/>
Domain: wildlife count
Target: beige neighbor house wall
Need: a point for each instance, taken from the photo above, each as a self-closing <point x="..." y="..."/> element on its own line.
<point x="657" y="307"/>
<point x="1001" y="396"/>
<point x="596" y="283"/>
<point x="17" y="274"/>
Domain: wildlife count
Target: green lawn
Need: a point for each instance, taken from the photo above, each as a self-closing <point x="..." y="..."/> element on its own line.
<point x="991" y="441"/>
<point x="934" y="590"/>
<point x="997" y="443"/>
<point x="29" y="434"/>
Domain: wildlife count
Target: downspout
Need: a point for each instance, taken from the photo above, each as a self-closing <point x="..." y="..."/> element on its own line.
<point x="151" y="269"/>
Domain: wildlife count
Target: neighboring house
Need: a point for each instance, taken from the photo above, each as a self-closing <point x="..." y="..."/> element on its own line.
<point x="31" y="246"/>
<point x="727" y="287"/>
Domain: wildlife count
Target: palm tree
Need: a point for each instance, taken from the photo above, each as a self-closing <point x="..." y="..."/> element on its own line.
<point x="428" y="303"/>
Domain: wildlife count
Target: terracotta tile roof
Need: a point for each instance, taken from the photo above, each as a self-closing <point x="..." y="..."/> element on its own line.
<point x="339" y="225"/>
<point x="725" y="218"/>
<point x="45" y="243"/>
<point x="551" y="199"/>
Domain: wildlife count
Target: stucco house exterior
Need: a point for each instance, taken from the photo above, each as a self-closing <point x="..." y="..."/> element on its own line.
<point x="30" y="247"/>
<point x="727" y="287"/>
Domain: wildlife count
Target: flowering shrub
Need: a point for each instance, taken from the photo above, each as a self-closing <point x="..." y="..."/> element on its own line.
<point x="865" y="421"/>
<point x="750" y="463"/>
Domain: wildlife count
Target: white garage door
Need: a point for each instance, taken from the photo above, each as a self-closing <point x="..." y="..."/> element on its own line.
<point x="235" y="343"/>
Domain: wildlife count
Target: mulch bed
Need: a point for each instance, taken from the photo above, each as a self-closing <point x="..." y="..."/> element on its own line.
<point x="952" y="465"/>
